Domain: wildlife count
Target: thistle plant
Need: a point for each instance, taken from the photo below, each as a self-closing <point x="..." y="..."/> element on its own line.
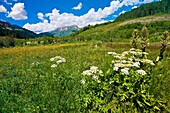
<point x="135" y="37"/>
<point x="164" y="44"/>
<point x="144" y="39"/>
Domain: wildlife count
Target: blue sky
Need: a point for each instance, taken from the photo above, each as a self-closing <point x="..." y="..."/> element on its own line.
<point x="46" y="15"/>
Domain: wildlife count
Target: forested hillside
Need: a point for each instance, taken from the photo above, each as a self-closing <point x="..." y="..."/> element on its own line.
<point x="147" y="10"/>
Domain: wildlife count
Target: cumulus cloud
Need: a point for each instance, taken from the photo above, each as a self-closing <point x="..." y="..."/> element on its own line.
<point x="78" y="7"/>
<point x="58" y="19"/>
<point x="2" y="9"/>
<point x="40" y="16"/>
<point x="122" y="12"/>
<point x="147" y="1"/>
<point x="7" y="2"/>
<point x="134" y="7"/>
<point x="18" y="12"/>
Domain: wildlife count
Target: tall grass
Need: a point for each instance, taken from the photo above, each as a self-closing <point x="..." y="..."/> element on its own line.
<point x="28" y="83"/>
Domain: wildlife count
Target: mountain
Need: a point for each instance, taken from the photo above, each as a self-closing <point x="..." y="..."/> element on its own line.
<point x="122" y="30"/>
<point x="149" y="9"/>
<point x="60" y="32"/>
<point x="14" y="31"/>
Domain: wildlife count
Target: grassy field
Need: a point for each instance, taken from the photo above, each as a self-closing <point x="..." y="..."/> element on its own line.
<point x="29" y="84"/>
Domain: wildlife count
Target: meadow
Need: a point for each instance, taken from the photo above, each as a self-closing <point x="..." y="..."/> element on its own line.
<point x="31" y="83"/>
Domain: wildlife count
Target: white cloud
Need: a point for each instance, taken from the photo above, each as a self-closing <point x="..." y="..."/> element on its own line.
<point x="40" y="16"/>
<point x="7" y="2"/>
<point x="18" y="12"/>
<point x="57" y="19"/>
<point x="122" y="12"/>
<point x="78" y="7"/>
<point x="2" y="9"/>
<point x="130" y="2"/>
<point x="66" y="19"/>
<point x="147" y="1"/>
<point x="134" y="7"/>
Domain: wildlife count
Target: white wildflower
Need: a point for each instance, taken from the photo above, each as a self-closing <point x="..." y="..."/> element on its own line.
<point x="136" y="64"/>
<point x="124" y="61"/>
<point x="87" y="72"/>
<point x="93" y="69"/>
<point x="118" y="57"/>
<point x="95" y="77"/>
<point x="63" y="60"/>
<point x="132" y="49"/>
<point x="133" y="52"/>
<point x="125" y="53"/>
<point x="116" y="68"/>
<point x="83" y="81"/>
<point x="112" y="53"/>
<point x="157" y="59"/>
<point x="142" y="72"/>
<point x="52" y="59"/>
<point x="147" y="61"/>
<point x="54" y="65"/>
<point x="130" y="59"/>
<point x="101" y="73"/>
<point x="145" y="53"/>
<point x="118" y="65"/>
<point x="35" y="63"/>
<point x="125" y="71"/>
<point x="59" y="61"/>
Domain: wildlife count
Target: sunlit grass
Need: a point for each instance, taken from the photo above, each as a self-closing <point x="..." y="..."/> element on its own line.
<point x="29" y="84"/>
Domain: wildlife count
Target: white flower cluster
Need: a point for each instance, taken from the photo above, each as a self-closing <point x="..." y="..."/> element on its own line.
<point x="58" y="60"/>
<point x="130" y="59"/>
<point x="94" y="72"/>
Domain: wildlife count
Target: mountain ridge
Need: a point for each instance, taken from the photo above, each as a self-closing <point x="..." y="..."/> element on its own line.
<point x="62" y="31"/>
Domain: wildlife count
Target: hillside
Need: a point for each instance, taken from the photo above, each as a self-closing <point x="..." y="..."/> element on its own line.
<point x="149" y="9"/>
<point x="60" y="32"/>
<point x="14" y="31"/>
<point x="122" y="30"/>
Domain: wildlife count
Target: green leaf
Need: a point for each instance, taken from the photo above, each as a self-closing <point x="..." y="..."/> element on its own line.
<point x="139" y="103"/>
<point x="147" y="103"/>
<point x="155" y="107"/>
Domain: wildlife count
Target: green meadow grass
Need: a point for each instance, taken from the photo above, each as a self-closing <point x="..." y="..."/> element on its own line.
<point x="29" y="84"/>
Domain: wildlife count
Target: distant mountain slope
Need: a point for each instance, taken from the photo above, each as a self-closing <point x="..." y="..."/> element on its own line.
<point x="149" y="9"/>
<point x="14" y="31"/>
<point x="63" y="31"/>
<point x="118" y="30"/>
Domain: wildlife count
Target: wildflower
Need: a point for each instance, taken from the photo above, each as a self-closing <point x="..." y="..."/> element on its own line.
<point x="87" y="72"/>
<point x="112" y="53"/>
<point x="118" y="57"/>
<point x="142" y="72"/>
<point x="133" y="52"/>
<point x="116" y="68"/>
<point x="95" y="77"/>
<point x="147" y="61"/>
<point x="157" y="59"/>
<point x="83" y="81"/>
<point x="132" y="49"/>
<point x="101" y="73"/>
<point x="124" y="61"/>
<point x="145" y="53"/>
<point x="63" y="59"/>
<point x="125" y="53"/>
<point x="59" y="61"/>
<point x="54" y="65"/>
<point x="136" y="64"/>
<point x="93" y="69"/>
<point x="125" y="71"/>
<point x="130" y="59"/>
<point x="52" y="59"/>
